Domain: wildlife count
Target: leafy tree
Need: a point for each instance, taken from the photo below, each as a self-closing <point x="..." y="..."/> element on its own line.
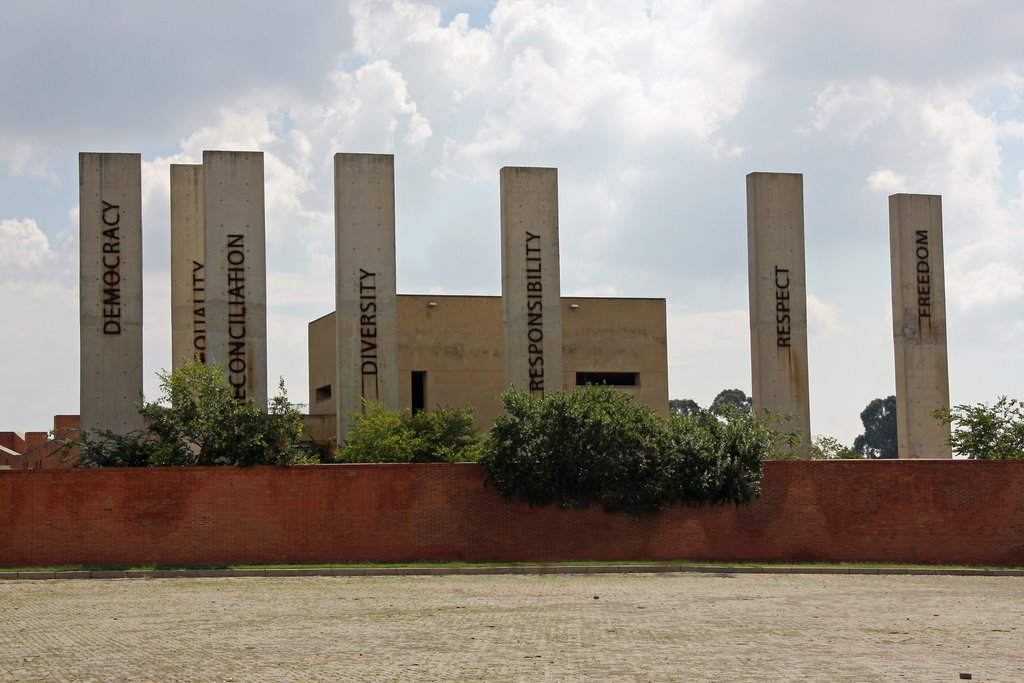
<point x="384" y="435"/>
<point x="879" y="438"/>
<point x="197" y="421"/>
<point x="683" y="406"/>
<point x="985" y="432"/>
<point x="735" y="398"/>
<point x="829" y="448"/>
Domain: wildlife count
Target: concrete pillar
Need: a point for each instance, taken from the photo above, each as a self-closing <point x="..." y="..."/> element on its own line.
<point x="530" y="287"/>
<point x="778" y="300"/>
<point x="236" y="269"/>
<point x="366" y="293"/>
<point x="110" y="290"/>
<point x="919" y="324"/>
<point x="188" y="274"/>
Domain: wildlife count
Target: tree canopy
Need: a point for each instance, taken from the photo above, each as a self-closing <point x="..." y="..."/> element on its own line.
<point x="683" y="406"/>
<point x="984" y="432"/>
<point x="736" y="398"/>
<point x="879" y="438"/>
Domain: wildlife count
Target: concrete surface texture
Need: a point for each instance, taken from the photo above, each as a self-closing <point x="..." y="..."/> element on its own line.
<point x="458" y="343"/>
<point x="530" y="284"/>
<point x="919" y="324"/>
<point x="110" y="290"/>
<point x="236" y="269"/>
<point x="188" y="272"/>
<point x="778" y="300"/>
<point x="617" y="627"/>
<point x="366" y="289"/>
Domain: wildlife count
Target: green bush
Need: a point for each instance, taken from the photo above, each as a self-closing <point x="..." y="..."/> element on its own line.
<point x="590" y="446"/>
<point x="197" y="421"/>
<point x="596" y="445"/>
<point x="380" y="434"/>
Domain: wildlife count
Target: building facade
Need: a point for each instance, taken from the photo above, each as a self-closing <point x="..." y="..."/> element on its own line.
<point x="451" y="354"/>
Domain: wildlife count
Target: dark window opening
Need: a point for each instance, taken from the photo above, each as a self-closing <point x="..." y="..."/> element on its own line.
<point x="419" y="390"/>
<point x="615" y="379"/>
<point x="322" y="393"/>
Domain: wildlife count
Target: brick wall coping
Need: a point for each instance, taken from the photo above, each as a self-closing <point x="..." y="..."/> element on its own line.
<point x="528" y="569"/>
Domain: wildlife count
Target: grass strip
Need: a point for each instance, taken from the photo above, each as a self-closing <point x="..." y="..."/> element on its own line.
<point x="459" y="565"/>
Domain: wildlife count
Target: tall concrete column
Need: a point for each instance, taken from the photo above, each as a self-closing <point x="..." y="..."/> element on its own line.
<point x="530" y="279"/>
<point x="919" y="324"/>
<point x="778" y="300"/>
<point x="110" y="290"/>
<point x="188" y="273"/>
<point x="236" y="269"/>
<point x="366" y="293"/>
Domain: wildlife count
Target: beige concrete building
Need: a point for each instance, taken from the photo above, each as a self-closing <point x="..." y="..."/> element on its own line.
<point x="450" y="354"/>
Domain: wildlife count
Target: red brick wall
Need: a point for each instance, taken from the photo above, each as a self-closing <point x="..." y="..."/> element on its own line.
<point x="12" y="441"/>
<point x="37" y="450"/>
<point x="890" y="511"/>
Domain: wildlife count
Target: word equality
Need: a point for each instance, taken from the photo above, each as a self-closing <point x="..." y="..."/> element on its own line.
<point x="199" y="311"/>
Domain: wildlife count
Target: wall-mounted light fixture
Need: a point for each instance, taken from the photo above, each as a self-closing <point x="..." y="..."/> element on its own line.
<point x="573" y="307"/>
<point x="431" y="304"/>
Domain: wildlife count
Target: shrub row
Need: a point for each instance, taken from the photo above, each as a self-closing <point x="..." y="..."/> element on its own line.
<point x="597" y="446"/>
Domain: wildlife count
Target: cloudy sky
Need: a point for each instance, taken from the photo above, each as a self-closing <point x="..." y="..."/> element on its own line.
<point x="653" y="113"/>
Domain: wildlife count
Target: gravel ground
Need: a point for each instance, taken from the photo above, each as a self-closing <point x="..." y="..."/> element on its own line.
<point x="626" y="627"/>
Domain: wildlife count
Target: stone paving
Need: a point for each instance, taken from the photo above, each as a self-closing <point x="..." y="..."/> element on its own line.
<point x="554" y="627"/>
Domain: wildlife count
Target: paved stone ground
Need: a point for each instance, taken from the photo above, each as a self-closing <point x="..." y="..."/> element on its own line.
<point x="627" y="627"/>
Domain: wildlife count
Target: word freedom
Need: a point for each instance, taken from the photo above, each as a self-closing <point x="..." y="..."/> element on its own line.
<point x="924" y="279"/>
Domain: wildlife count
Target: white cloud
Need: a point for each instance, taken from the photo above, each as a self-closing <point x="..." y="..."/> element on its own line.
<point x="24" y="250"/>
<point x="886" y="181"/>
<point x="822" y="318"/>
<point x="594" y="71"/>
<point x="853" y="109"/>
<point x="992" y="284"/>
